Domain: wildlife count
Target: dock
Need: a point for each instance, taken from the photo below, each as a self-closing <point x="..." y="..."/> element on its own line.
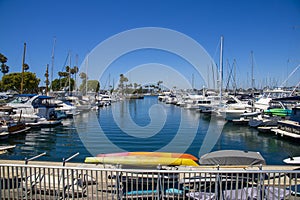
<point x="283" y="133"/>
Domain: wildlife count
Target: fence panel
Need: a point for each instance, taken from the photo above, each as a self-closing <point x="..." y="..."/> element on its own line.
<point x="53" y="182"/>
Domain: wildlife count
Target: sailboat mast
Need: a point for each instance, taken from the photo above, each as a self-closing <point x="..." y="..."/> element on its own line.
<point x="52" y="63"/>
<point x="234" y="76"/>
<point x="86" y="77"/>
<point x="221" y="67"/>
<point x="252" y="73"/>
<point x="75" y="82"/>
<point x="252" y="81"/>
<point x="23" y="63"/>
<point x="69" y="73"/>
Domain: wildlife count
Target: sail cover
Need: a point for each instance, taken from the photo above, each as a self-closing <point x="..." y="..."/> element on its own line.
<point x="232" y="157"/>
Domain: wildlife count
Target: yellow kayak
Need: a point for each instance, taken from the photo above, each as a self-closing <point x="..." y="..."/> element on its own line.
<point x="142" y="160"/>
<point x="150" y="154"/>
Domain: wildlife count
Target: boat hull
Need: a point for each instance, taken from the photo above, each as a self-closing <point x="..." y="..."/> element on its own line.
<point x="292" y="160"/>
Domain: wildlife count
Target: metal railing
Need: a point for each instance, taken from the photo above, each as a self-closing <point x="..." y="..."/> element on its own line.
<point x="61" y="182"/>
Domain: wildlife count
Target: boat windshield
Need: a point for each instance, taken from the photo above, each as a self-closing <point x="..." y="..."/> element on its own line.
<point x="276" y="94"/>
<point x="20" y="100"/>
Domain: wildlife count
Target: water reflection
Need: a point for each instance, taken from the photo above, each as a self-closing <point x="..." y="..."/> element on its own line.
<point x="172" y="129"/>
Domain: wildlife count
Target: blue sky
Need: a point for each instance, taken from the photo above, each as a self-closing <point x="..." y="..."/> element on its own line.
<point x="269" y="28"/>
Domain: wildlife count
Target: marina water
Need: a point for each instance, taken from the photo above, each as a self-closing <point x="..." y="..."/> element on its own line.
<point x="143" y="125"/>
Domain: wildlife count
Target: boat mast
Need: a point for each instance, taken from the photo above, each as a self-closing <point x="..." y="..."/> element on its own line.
<point x="252" y="81"/>
<point x="221" y="68"/>
<point x="52" y="63"/>
<point x="252" y="73"/>
<point x="75" y="82"/>
<point x="23" y="63"/>
<point x="86" y="77"/>
<point x="69" y="73"/>
<point x="47" y="80"/>
<point x="234" y="77"/>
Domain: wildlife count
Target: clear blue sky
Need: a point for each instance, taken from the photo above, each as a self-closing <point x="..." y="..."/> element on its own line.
<point x="269" y="28"/>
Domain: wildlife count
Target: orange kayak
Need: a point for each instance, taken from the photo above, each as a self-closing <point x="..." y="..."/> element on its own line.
<point x="151" y="154"/>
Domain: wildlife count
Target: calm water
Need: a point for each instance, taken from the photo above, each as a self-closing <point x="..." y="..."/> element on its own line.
<point x="144" y="125"/>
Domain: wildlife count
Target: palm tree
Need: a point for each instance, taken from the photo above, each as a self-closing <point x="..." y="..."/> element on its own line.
<point x="26" y="67"/>
<point x="4" y="67"/>
<point x="122" y="80"/>
<point x="3" y="59"/>
<point x="47" y="79"/>
<point x="74" y="70"/>
<point x="158" y="85"/>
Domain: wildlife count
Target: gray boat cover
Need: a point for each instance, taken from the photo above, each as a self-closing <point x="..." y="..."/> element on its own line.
<point x="232" y="157"/>
<point x="270" y="193"/>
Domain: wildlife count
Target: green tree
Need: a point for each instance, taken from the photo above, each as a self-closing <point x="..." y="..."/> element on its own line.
<point x="84" y="78"/>
<point x="59" y="84"/>
<point x="12" y="81"/>
<point x="55" y="85"/>
<point x="93" y="85"/>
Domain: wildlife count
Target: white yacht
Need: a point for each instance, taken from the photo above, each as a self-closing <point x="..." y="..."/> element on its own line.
<point x="234" y="108"/>
<point x="263" y="102"/>
<point x="35" y="110"/>
<point x="80" y="104"/>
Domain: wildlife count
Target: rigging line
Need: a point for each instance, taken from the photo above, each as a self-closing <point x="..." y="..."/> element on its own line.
<point x="66" y="61"/>
<point x="217" y="52"/>
<point x="229" y="78"/>
<point x="295" y="88"/>
<point x="291" y="74"/>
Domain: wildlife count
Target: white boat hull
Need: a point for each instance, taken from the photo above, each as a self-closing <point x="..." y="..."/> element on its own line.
<point x="292" y="160"/>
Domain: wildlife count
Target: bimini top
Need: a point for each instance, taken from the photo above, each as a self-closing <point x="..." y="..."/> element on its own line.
<point x="26" y="95"/>
<point x="232" y="157"/>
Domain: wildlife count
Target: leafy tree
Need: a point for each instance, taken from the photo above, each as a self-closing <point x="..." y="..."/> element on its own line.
<point x="12" y="81"/>
<point x="83" y="75"/>
<point x="84" y="78"/>
<point x="55" y="85"/>
<point x="93" y="85"/>
<point x="59" y="84"/>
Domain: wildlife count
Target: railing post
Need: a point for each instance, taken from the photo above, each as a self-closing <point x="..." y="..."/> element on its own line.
<point x="260" y="184"/>
<point x="159" y="183"/>
<point x="118" y="184"/>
